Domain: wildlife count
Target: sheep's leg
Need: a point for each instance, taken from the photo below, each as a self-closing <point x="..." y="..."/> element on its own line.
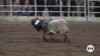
<point x="44" y="38"/>
<point x="66" y="38"/>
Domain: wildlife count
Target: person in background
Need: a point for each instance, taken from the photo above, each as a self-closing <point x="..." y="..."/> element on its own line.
<point x="5" y="7"/>
<point x="4" y="3"/>
<point x="82" y="8"/>
<point x="25" y="7"/>
<point x="16" y="8"/>
<point x="53" y="11"/>
<point x="28" y="7"/>
<point x="92" y="3"/>
<point x="65" y="8"/>
<point x="40" y="7"/>
<point x="97" y="9"/>
<point x="73" y="9"/>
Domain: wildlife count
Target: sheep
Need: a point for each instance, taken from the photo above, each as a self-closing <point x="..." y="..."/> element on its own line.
<point x="59" y="25"/>
<point x="50" y="26"/>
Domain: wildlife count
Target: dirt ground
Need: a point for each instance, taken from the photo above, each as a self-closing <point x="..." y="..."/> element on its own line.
<point x="20" y="39"/>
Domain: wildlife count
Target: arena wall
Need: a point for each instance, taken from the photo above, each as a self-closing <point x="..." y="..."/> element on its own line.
<point x="29" y="18"/>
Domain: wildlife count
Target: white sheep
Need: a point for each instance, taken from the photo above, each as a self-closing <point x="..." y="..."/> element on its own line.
<point x="52" y="26"/>
<point x="59" y="26"/>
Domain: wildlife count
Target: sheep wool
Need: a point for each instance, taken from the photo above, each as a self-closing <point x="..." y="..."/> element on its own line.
<point x="59" y="25"/>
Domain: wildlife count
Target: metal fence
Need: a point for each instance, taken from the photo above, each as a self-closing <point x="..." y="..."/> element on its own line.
<point x="93" y="8"/>
<point x="65" y="8"/>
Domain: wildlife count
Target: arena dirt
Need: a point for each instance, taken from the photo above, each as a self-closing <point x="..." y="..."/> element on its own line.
<point x="21" y="39"/>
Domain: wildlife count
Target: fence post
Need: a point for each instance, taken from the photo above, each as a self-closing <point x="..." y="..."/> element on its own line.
<point x="87" y="10"/>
